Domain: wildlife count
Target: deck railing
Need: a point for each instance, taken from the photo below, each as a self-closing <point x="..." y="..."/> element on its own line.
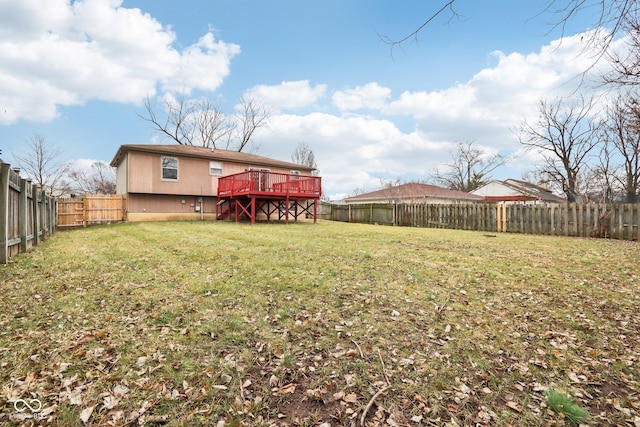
<point x="267" y="183"/>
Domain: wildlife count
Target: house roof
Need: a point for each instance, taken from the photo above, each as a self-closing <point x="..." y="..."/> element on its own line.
<point x="527" y="191"/>
<point x="413" y="191"/>
<point x="205" y="153"/>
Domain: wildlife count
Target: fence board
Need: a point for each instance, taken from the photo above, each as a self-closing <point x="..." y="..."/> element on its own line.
<point x="617" y="221"/>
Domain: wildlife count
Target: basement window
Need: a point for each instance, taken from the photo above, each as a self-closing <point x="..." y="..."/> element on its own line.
<point x="215" y="168"/>
<point x="169" y="168"/>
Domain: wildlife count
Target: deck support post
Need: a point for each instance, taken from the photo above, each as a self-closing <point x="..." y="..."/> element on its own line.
<point x="253" y="210"/>
<point x="286" y="210"/>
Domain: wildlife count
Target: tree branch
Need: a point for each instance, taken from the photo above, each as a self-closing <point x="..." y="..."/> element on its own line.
<point x="414" y="34"/>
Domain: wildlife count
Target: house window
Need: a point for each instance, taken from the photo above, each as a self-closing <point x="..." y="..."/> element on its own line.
<point x="295" y="172"/>
<point x="170" y="168"/>
<point x="215" y="168"/>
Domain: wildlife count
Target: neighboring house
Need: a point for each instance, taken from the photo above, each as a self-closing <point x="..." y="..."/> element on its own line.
<point x="414" y="193"/>
<point x="515" y="191"/>
<point x="171" y="182"/>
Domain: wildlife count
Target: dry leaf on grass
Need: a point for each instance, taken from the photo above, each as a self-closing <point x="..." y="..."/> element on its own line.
<point x="86" y="414"/>
<point x="513" y="405"/>
<point x="350" y="398"/>
<point x="287" y="389"/>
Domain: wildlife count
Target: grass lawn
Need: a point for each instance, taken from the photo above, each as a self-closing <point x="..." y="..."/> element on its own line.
<point x="224" y="324"/>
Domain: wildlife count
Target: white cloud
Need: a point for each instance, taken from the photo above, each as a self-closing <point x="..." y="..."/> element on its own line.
<point x="288" y="95"/>
<point x="55" y="53"/>
<point x="369" y="96"/>
<point x="85" y="165"/>
<point x="352" y="151"/>
<point x="355" y="150"/>
<point x="492" y="103"/>
<point x="203" y="65"/>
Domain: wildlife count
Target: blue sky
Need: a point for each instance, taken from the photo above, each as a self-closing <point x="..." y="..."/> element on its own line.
<point x="77" y="73"/>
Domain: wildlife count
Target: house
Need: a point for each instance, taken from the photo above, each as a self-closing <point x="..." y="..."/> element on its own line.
<point x="414" y="193"/>
<point x="515" y="191"/>
<point x="184" y="182"/>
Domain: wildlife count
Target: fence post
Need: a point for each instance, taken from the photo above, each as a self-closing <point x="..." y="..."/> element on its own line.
<point x="613" y="229"/>
<point x="23" y="214"/>
<point x="53" y="218"/>
<point x="85" y="211"/>
<point x="4" y="210"/>
<point x="520" y="211"/>
<point x="628" y="210"/>
<point x="620" y="227"/>
<point x="636" y="223"/>
<point x="36" y="214"/>
<point x="46" y="215"/>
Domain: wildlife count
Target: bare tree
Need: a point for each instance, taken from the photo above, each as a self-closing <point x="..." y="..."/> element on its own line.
<point x="470" y="168"/>
<point x="250" y="116"/>
<point x="601" y="183"/>
<point x="187" y="122"/>
<point x="616" y="15"/>
<point x="625" y="62"/>
<point x="172" y="126"/>
<point x="565" y="134"/>
<point x="209" y="125"/>
<point x="389" y="183"/>
<point x="41" y="163"/>
<point x="356" y="192"/>
<point x="623" y="132"/>
<point x="100" y="179"/>
<point x="200" y="123"/>
<point x="303" y="155"/>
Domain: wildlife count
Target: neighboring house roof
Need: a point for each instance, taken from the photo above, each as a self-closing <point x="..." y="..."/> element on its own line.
<point x="516" y="190"/>
<point x="414" y="191"/>
<point x="206" y="153"/>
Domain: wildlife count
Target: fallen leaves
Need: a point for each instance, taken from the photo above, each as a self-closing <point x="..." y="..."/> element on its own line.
<point x="232" y="327"/>
<point x="514" y="405"/>
<point x="85" y="414"/>
<point x="286" y="389"/>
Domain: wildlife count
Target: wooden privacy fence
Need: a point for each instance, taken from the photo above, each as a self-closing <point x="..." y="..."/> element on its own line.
<point x="91" y="209"/>
<point x="616" y="221"/>
<point x="28" y="214"/>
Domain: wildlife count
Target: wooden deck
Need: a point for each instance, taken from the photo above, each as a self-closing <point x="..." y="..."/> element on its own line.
<point x="269" y="184"/>
<point x="272" y="193"/>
